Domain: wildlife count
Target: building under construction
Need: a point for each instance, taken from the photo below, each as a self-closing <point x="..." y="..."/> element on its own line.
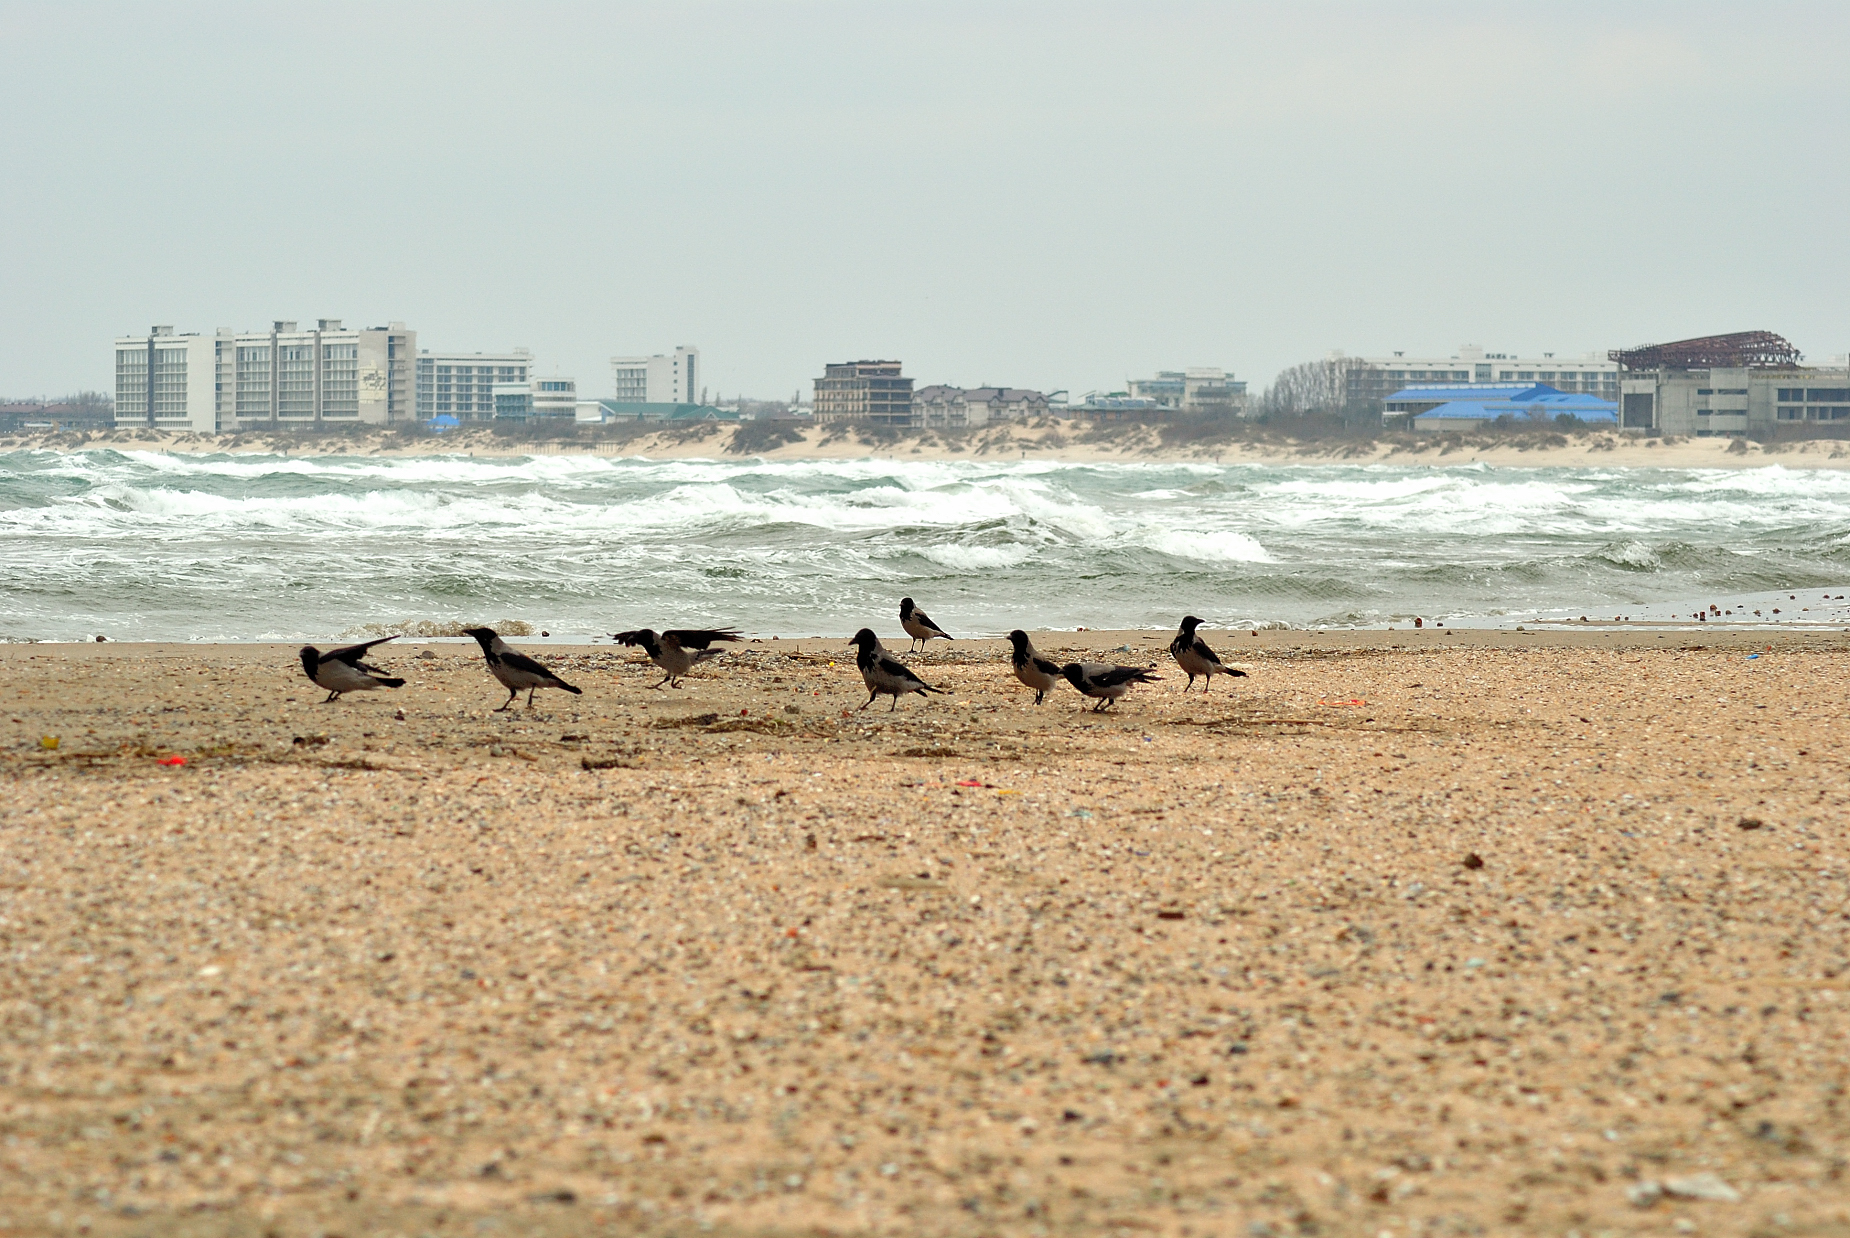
<point x="1750" y="382"/>
<point x="1744" y="350"/>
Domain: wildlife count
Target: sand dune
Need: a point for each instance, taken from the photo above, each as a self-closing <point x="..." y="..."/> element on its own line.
<point x="1050" y="439"/>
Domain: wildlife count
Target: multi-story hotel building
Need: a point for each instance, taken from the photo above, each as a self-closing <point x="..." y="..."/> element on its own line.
<point x="1375" y="378"/>
<point x="864" y="391"/>
<point x="670" y="378"/>
<point x="283" y="377"/>
<point x="166" y="381"/>
<point x="462" y="383"/>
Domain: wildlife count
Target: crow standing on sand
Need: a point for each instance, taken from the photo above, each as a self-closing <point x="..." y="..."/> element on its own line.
<point x="678" y="650"/>
<point x="1031" y="668"/>
<point x="883" y="673"/>
<point x="918" y="624"/>
<point x="1104" y="681"/>
<point x="1193" y="655"/>
<point x="517" y="672"/>
<point x="341" y="670"/>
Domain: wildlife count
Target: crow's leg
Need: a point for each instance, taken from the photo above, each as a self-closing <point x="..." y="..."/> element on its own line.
<point x="870" y="701"/>
<point x="511" y="694"/>
<point x="663" y="684"/>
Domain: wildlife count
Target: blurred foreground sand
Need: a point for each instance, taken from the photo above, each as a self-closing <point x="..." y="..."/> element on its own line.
<point x="1406" y="933"/>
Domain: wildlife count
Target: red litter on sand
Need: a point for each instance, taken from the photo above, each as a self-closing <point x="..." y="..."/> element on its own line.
<point x="173" y="761"/>
<point x="970" y="782"/>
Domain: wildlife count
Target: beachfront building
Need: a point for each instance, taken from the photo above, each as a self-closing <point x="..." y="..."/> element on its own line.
<point x="872" y="391"/>
<point x="282" y="378"/>
<point x="951" y="408"/>
<point x="1198" y="389"/>
<point x="166" y="381"/>
<point x="1371" y="379"/>
<point x="554" y="397"/>
<point x="665" y="378"/>
<point x="632" y="410"/>
<point x="513" y="401"/>
<point x="89" y="411"/>
<point x="462" y="383"/>
<point x="1728" y="386"/>
<point x="1463" y="406"/>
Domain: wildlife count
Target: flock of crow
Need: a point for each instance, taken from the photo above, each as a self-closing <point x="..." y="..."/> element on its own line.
<point x="678" y="651"/>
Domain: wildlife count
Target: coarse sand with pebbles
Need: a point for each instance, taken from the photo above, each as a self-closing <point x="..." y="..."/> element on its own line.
<point x="1404" y="934"/>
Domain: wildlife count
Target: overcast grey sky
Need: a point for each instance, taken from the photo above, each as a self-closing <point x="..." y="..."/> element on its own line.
<point x="1047" y="195"/>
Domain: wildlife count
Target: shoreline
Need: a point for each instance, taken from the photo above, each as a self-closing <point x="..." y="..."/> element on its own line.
<point x="1818" y="612"/>
<point x="1047" y="440"/>
<point x="1232" y="643"/>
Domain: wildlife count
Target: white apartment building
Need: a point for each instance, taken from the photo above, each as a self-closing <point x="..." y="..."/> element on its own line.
<point x="1196" y="388"/>
<point x="662" y="379"/>
<point x="283" y="377"/>
<point x="462" y="383"/>
<point x="166" y="381"/>
<point x="554" y="397"/>
<point x="1376" y="378"/>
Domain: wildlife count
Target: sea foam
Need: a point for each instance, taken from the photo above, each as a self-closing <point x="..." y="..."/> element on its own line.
<point x="180" y="546"/>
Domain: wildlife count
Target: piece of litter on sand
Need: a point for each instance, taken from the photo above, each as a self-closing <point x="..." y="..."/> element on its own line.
<point x="1701" y="1186"/>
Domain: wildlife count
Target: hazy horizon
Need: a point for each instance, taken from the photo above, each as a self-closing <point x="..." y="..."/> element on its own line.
<point x="1038" y="195"/>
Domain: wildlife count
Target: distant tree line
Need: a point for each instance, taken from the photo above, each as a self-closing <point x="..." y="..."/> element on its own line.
<point x="81" y="401"/>
<point x="1328" y="387"/>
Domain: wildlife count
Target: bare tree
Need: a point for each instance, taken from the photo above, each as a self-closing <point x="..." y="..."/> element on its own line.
<point x="1326" y="386"/>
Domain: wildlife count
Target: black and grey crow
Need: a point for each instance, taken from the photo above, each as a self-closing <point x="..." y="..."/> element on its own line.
<point x="517" y="672"/>
<point x="1193" y="655"/>
<point x="341" y="670"/>
<point x="883" y="673"/>
<point x="918" y="624"/>
<point x="1105" y="681"/>
<point x="678" y="650"/>
<point x="1031" y="668"/>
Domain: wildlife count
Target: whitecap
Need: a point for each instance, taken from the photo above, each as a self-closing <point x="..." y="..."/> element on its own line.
<point x="976" y="558"/>
<point x="1222" y="546"/>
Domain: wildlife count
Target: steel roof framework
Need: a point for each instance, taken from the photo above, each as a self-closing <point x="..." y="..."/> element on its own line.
<point x="1753" y="350"/>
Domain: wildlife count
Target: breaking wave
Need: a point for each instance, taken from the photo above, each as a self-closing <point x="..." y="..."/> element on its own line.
<point x="154" y="545"/>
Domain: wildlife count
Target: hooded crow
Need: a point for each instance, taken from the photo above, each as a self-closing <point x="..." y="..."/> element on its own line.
<point x="516" y="671"/>
<point x="883" y="673"/>
<point x="1031" y="668"/>
<point x="1193" y="655"/>
<point x="1105" y="681"/>
<point x="341" y="670"/>
<point x="918" y="624"/>
<point x="678" y="650"/>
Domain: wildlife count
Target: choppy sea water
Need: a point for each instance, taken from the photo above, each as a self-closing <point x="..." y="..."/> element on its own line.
<point x="218" y="547"/>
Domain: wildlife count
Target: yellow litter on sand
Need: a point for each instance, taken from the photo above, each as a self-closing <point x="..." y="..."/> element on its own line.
<point x="48" y="742"/>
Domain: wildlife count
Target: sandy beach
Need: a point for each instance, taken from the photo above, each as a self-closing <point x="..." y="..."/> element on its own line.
<point x="1069" y="439"/>
<point x="1404" y="933"/>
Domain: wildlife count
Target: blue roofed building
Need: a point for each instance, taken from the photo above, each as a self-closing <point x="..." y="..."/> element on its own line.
<point x="1459" y="406"/>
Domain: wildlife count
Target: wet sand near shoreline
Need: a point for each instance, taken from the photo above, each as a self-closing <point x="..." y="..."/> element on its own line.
<point x="1416" y="932"/>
